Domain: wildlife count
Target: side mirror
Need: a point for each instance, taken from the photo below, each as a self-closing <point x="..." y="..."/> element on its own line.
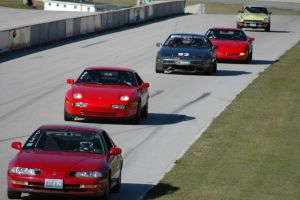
<point x="240" y="11"/>
<point x="70" y="81"/>
<point x="158" y="44"/>
<point x="115" y="151"/>
<point x="145" y="85"/>
<point x="251" y="39"/>
<point x="16" y="145"/>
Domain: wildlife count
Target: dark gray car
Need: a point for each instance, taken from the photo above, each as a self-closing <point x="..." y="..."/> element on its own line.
<point x="183" y="52"/>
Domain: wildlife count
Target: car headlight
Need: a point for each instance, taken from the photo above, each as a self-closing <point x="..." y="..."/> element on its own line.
<point x="158" y="59"/>
<point x="240" y="19"/>
<point x="25" y="171"/>
<point x="91" y="174"/>
<point x="124" y="98"/>
<point x="77" y="96"/>
<point x="266" y="19"/>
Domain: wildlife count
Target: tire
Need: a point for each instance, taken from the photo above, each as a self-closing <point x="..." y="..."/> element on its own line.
<point x="137" y="117"/>
<point x="159" y="71"/>
<point x="268" y="28"/>
<point x="215" y="67"/>
<point x="13" y="194"/>
<point x="250" y="57"/>
<point x="68" y="117"/>
<point x="144" y="111"/>
<point x="117" y="188"/>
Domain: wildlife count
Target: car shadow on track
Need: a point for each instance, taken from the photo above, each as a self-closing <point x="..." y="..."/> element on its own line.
<point x="230" y="73"/>
<point x="271" y="31"/>
<point x="132" y="191"/>
<point x="152" y="119"/>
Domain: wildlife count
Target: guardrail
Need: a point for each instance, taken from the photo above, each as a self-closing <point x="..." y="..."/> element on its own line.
<point x="39" y="34"/>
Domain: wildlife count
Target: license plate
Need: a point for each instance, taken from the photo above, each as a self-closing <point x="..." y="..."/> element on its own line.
<point x="184" y="62"/>
<point x="54" y="183"/>
<point x="252" y="24"/>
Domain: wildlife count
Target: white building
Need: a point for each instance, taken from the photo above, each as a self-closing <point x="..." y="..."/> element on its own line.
<point x="79" y="6"/>
<point x="69" y="6"/>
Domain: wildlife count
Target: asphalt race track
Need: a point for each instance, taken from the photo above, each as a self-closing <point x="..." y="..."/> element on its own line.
<point x="33" y="84"/>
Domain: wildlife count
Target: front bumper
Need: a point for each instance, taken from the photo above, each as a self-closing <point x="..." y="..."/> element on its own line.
<point x="105" y="110"/>
<point x="189" y="66"/>
<point x="71" y="185"/>
<point x="227" y="55"/>
<point x="253" y="24"/>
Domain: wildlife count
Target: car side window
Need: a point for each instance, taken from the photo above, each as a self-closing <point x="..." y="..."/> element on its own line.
<point x="138" y="78"/>
<point x="108" y="141"/>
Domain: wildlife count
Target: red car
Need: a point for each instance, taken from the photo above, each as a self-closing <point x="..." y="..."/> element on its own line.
<point x="60" y="159"/>
<point x="106" y="92"/>
<point x="231" y="44"/>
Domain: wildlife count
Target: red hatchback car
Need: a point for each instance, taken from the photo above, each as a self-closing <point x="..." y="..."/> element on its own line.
<point x="61" y="159"/>
<point x="231" y="43"/>
<point x="106" y="92"/>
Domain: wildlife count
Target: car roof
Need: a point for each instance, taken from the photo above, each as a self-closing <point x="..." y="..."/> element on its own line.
<point x="189" y="34"/>
<point x="110" y="68"/>
<point x="224" y="28"/>
<point x="71" y="127"/>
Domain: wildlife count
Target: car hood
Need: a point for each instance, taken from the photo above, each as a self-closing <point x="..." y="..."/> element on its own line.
<point x="188" y="52"/>
<point x="59" y="161"/>
<point x="229" y="44"/>
<point x="253" y="16"/>
<point x="104" y="92"/>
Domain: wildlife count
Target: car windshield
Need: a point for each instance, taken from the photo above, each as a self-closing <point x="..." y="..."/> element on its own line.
<point x="256" y="10"/>
<point x="107" y="77"/>
<point x="186" y="42"/>
<point x="66" y="141"/>
<point x="227" y="35"/>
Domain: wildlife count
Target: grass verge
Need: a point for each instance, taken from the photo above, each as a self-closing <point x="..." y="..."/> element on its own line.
<point x="251" y="151"/>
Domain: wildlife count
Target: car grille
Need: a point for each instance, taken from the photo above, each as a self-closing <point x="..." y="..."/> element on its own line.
<point x="168" y="61"/>
<point x="66" y="188"/>
<point x="98" y="114"/>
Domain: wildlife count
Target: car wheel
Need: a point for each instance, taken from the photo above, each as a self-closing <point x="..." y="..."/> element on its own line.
<point x="215" y="67"/>
<point x="137" y="117"/>
<point x="67" y="116"/>
<point x="268" y="28"/>
<point x="117" y="188"/>
<point x="158" y="70"/>
<point x="250" y="57"/>
<point x="13" y="194"/>
<point x="144" y="112"/>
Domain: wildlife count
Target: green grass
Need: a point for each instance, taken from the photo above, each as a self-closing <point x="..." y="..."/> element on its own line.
<point x="251" y="151"/>
<point x="219" y="8"/>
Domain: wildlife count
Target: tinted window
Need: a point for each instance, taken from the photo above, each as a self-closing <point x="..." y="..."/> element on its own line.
<point x="226" y="34"/>
<point x="65" y="140"/>
<point x="186" y="42"/>
<point x="107" y="77"/>
<point x="256" y="10"/>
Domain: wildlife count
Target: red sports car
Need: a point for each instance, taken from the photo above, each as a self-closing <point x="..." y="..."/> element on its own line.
<point x="106" y="92"/>
<point x="60" y="159"/>
<point x="231" y="43"/>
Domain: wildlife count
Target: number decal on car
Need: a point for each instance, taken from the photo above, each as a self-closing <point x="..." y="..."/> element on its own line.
<point x="183" y="54"/>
